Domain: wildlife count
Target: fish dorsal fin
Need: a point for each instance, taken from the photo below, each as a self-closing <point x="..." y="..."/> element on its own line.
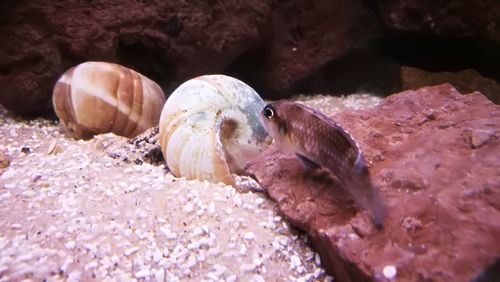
<point x="307" y="162"/>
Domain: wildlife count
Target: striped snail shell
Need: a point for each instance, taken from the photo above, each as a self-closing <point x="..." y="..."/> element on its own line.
<point x="209" y="128"/>
<point x="100" y="97"/>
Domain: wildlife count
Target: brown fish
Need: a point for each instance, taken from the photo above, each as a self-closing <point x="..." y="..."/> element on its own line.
<point x="319" y="141"/>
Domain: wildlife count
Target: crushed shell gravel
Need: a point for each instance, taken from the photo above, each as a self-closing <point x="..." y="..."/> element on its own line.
<point x="69" y="211"/>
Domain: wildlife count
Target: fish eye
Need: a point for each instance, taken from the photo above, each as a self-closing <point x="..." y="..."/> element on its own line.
<point x="268" y="112"/>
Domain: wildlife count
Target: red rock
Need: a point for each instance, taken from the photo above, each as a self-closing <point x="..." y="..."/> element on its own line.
<point x="437" y="172"/>
<point x="167" y="40"/>
<point x="171" y="41"/>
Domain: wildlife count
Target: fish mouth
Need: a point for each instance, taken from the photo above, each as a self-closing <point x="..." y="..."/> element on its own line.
<point x="269" y="139"/>
<point x="262" y="120"/>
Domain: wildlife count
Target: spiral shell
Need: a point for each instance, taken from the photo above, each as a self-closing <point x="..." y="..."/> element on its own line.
<point x="99" y="97"/>
<point x="209" y="128"/>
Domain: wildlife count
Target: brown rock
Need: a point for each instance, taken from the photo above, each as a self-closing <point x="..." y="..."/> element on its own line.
<point x="466" y="81"/>
<point x="452" y="19"/>
<point x="4" y="161"/>
<point x="165" y="40"/>
<point x="437" y="174"/>
<point x="309" y="34"/>
<point x="171" y="41"/>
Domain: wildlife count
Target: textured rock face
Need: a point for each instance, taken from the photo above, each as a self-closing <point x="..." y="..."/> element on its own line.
<point x="165" y="41"/>
<point x="458" y="19"/>
<point x="169" y="41"/>
<point x="309" y="34"/>
<point x="434" y="156"/>
<point x="278" y="47"/>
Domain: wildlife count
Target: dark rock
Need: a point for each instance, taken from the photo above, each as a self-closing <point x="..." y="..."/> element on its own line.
<point x="452" y="19"/>
<point x="441" y="193"/>
<point x="174" y="41"/>
<point x="466" y="81"/>
<point x="168" y="41"/>
<point x="4" y="161"/>
<point x="491" y="273"/>
<point x="277" y="47"/>
<point x="309" y="34"/>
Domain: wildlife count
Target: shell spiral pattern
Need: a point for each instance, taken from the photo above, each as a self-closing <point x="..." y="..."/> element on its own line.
<point x="209" y="128"/>
<point x="100" y="97"/>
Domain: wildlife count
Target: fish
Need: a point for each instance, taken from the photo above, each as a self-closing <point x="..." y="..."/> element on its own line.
<point x="319" y="141"/>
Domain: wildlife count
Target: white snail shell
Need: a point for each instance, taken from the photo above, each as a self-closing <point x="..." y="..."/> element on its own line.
<point x="209" y="128"/>
<point x="100" y="97"/>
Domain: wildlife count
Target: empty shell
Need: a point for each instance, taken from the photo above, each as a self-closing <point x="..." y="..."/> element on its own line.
<point x="209" y="128"/>
<point x="99" y="97"/>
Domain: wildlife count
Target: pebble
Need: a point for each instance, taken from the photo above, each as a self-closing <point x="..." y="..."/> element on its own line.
<point x="188" y="208"/>
<point x="317" y="259"/>
<point x="390" y="271"/>
<point x="143" y="273"/>
<point x="249" y="236"/>
<point x="70" y="245"/>
<point x="131" y="251"/>
<point x="160" y="275"/>
<point x="294" y="262"/>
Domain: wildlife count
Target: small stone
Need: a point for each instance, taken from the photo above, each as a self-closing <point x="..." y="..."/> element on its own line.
<point x="390" y="271"/>
<point x="317" y="259"/>
<point x="243" y="249"/>
<point x="249" y="236"/>
<point x="4" y="160"/>
<point x="247" y="267"/>
<point x="143" y="273"/>
<point x="197" y="231"/>
<point x="160" y="275"/>
<point x="168" y="233"/>
<point x="258" y="278"/>
<point x="8" y="174"/>
<point x="74" y="276"/>
<point x="188" y="208"/>
<point x="411" y="224"/>
<point x="318" y="272"/>
<point x="295" y="262"/>
<point x="70" y="245"/>
<point x="211" y="207"/>
<point x="131" y="251"/>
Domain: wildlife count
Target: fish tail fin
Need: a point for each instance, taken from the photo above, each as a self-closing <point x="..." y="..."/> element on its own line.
<point x="367" y="195"/>
<point x="378" y="210"/>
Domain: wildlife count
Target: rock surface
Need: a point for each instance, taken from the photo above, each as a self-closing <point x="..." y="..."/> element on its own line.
<point x="169" y="41"/>
<point x="277" y="47"/>
<point x="164" y="41"/>
<point x="457" y="19"/>
<point x="434" y="155"/>
<point x="466" y="81"/>
<point x="309" y="34"/>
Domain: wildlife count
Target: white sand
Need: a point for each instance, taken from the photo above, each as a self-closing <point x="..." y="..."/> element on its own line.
<point x="70" y="211"/>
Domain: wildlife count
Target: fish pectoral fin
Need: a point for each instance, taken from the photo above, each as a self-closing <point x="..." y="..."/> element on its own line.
<point x="307" y="162"/>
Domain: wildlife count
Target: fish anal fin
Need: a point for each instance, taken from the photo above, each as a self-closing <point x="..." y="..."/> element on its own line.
<point x="307" y="162"/>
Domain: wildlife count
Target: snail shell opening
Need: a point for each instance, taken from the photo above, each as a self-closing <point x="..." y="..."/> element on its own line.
<point x="100" y="97"/>
<point x="209" y="128"/>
